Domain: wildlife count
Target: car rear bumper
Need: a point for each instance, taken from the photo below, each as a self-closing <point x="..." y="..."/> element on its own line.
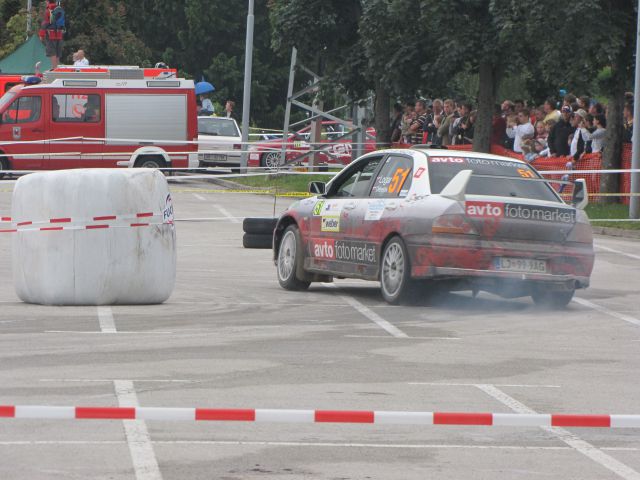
<point x="569" y="265"/>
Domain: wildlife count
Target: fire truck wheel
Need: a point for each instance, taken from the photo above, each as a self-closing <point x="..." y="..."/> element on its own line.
<point x="150" y="162"/>
<point x="4" y="166"/>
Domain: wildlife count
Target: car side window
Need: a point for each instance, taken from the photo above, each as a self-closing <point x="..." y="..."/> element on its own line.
<point x="394" y="178"/>
<point x="356" y="183"/>
<point x="23" y="110"/>
<point x="76" y="108"/>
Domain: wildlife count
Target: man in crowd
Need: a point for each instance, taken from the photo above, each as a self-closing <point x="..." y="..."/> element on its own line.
<point x="417" y="127"/>
<point x="445" y="125"/>
<point x="559" y="135"/>
<point x="520" y="130"/>
<point x="51" y="31"/>
<point x="628" y="122"/>
<point x="434" y="121"/>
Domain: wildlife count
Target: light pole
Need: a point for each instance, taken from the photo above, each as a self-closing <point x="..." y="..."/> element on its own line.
<point x="246" y="98"/>
<point x="634" y="201"/>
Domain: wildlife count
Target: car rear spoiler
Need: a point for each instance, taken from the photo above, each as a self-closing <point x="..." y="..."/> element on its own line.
<point x="457" y="186"/>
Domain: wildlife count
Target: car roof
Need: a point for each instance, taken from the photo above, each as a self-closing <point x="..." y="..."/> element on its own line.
<point x="440" y="152"/>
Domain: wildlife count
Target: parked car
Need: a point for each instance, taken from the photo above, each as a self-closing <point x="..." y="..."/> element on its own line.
<point x="219" y="142"/>
<point x="336" y="151"/>
<point x="420" y="219"/>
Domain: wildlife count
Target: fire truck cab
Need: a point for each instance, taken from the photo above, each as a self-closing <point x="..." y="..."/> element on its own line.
<point x="99" y="117"/>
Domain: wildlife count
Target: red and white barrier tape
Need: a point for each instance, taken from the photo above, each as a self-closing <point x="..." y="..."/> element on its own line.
<point x="321" y="416"/>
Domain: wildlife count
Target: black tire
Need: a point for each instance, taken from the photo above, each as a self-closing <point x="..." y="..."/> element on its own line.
<point x="259" y="225"/>
<point x="150" y="161"/>
<point x="257" y="240"/>
<point x="4" y="167"/>
<point x="270" y="160"/>
<point x="289" y="264"/>
<point x="395" y="272"/>
<point x="551" y="299"/>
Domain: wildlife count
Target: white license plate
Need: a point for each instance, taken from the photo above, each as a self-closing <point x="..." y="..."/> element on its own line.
<point x="215" y="157"/>
<point x="525" y="265"/>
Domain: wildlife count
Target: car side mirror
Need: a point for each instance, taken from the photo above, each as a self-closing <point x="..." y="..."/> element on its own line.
<point x="580" y="198"/>
<point x="317" y="188"/>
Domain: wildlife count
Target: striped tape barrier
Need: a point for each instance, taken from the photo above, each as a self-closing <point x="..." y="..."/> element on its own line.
<point x="321" y="416"/>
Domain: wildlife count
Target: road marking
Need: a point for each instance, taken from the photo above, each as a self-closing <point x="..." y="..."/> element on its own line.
<point x="109" y="380"/>
<point x="143" y="457"/>
<point x="105" y="317"/>
<point x="226" y="213"/>
<point x="308" y="444"/>
<point x="613" y="250"/>
<point x="575" y="442"/>
<point x="412" y="338"/>
<point x="607" y="311"/>
<point x="199" y="197"/>
<point x="371" y="315"/>
<point x="477" y="385"/>
<point x="82" y="332"/>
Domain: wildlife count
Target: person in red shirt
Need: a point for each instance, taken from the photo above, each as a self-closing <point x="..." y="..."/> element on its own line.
<point x="51" y="32"/>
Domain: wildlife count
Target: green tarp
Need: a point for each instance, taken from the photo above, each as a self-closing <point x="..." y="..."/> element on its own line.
<point x="23" y="59"/>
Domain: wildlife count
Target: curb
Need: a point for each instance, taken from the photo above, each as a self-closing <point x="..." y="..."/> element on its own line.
<point x="616" y="232"/>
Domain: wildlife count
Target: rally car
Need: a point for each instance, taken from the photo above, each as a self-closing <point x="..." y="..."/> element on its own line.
<point x="420" y="219"/>
<point x="335" y="148"/>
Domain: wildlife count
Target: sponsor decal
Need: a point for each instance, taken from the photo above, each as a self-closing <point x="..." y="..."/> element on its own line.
<point x="484" y="209"/>
<point x="345" y="251"/>
<point x="167" y="212"/>
<point x="520" y="212"/>
<point x="447" y="160"/>
<point x="317" y="208"/>
<point x="419" y="172"/>
<point x="375" y="209"/>
<point x="496" y="163"/>
<point x="332" y="208"/>
<point x="330" y="223"/>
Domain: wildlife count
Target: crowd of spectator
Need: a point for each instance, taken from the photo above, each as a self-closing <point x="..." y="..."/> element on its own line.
<point x="572" y="127"/>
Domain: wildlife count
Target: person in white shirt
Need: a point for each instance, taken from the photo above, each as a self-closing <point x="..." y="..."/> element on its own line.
<point x="79" y="60"/>
<point x="522" y="131"/>
<point x="597" y="137"/>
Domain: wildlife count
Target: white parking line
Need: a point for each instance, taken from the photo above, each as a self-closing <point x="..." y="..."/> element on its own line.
<point x="226" y="213"/>
<point x="105" y="317"/>
<point x="613" y="250"/>
<point x="477" y="385"/>
<point x="199" y="197"/>
<point x="143" y="457"/>
<point x="575" y="442"/>
<point x="607" y="311"/>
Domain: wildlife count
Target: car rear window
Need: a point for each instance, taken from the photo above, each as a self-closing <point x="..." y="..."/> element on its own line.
<point x="443" y="169"/>
<point x="218" y="127"/>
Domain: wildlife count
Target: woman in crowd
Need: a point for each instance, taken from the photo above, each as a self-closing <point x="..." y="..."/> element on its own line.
<point x="597" y="137"/>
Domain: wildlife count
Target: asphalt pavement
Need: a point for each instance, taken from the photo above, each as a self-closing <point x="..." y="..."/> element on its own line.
<point x="230" y="337"/>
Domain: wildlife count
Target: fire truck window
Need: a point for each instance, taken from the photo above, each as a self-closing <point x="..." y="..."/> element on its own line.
<point x="23" y="110"/>
<point x="76" y="108"/>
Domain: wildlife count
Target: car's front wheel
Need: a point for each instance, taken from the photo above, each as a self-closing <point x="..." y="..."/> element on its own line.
<point x="395" y="272"/>
<point x="548" y="298"/>
<point x="290" y="260"/>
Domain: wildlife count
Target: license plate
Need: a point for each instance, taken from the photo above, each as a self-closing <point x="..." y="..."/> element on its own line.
<point x="215" y="157"/>
<point x="525" y="265"/>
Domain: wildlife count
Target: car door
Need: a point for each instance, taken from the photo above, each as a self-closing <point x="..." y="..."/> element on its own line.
<point x="26" y="125"/>
<point x="337" y="218"/>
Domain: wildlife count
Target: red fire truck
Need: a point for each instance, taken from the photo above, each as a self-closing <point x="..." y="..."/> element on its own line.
<point x="99" y="117"/>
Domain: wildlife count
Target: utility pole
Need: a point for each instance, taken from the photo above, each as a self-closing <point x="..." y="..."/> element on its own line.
<point x="246" y="98"/>
<point x="29" y="7"/>
<point x="634" y="202"/>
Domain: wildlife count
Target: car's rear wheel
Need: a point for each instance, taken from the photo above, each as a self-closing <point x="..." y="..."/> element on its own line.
<point x="150" y="161"/>
<point x="395" y="272"/>
<point x="290" y="260"/>
<point x="270" y="160"/>
<point x="548" y="298"/>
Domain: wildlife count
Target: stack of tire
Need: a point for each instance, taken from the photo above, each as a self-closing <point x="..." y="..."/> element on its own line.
<point x="258" y="232"/>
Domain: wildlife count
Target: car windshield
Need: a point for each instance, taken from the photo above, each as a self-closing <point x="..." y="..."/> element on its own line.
<point x="443" y="169"/>
<point x="6" y="99"/>
<point x="218" y="126"/>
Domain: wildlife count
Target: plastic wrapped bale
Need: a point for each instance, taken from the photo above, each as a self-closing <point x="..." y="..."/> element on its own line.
<point x="93" y="237"/>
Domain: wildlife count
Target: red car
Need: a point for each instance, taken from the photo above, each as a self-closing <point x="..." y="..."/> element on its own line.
<point x="337" y="150"/>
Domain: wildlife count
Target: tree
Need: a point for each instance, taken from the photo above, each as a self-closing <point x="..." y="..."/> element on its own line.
<point x="477" y="36"/>
<point x="606" y="52"/>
